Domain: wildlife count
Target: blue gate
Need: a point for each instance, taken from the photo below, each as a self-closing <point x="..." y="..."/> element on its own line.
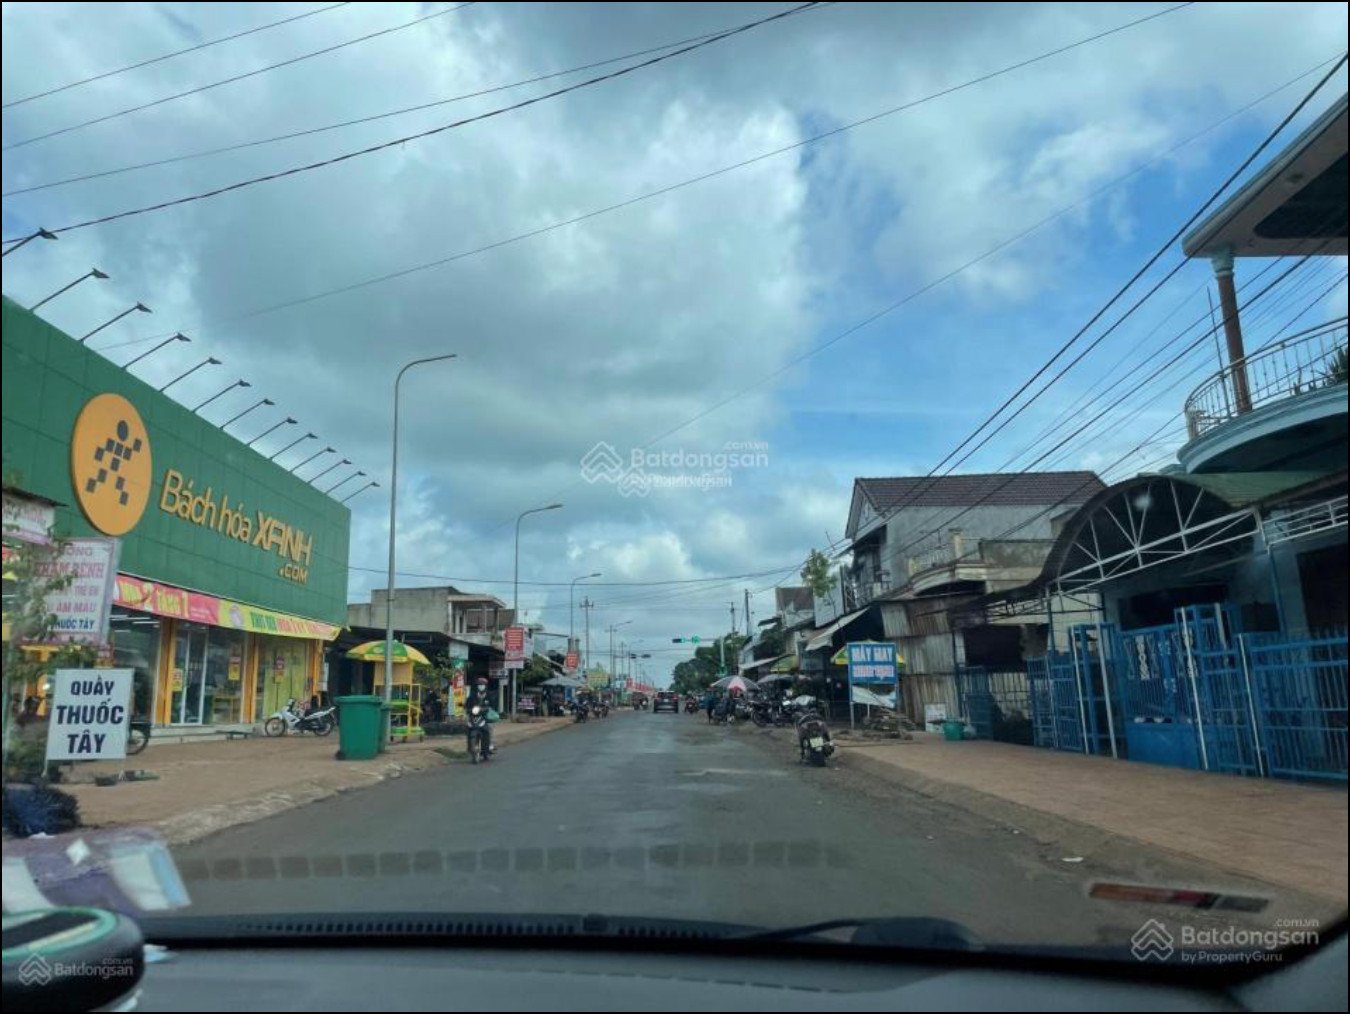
<point x="1300" y="691"/>
<point x="1226" y="716"/>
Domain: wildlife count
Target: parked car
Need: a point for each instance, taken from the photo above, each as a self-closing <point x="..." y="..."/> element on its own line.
<point x="666" y="700"/>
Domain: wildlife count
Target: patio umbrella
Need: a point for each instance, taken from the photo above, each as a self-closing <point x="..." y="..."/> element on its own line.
<point x="373" y="651"/>
<point x="778" y="677"/>
<point x="558" y="681"/>
<point x="740" y="683"/>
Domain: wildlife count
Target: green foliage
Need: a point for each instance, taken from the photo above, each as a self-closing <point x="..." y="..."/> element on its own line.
<point x="818" y="575"/>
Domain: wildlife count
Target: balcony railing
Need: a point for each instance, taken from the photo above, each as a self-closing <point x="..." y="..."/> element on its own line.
<point x="1287" y="368"/>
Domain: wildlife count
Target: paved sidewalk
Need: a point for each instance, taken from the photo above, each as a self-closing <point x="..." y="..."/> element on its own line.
<point x="205" y="787"/>
<point x="1282" y="833"/>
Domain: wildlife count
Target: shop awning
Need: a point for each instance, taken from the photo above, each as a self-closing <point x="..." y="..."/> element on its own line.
<point x="824" y="635"/>
<point x="181" y="604"/>
<point x="763" y="663"/>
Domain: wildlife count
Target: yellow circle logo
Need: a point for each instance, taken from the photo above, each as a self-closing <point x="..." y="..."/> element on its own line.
<point x="110" y="464"/>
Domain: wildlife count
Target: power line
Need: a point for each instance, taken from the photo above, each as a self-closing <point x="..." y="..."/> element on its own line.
<point x="1148" y="264"/>
<point x="703" y="177"/>
<point x="377" y="116"/>
<point x="169" y="56"/>
<point x="422" y="134"/>
<point x="564" y="584"/>
<point x="234" y="78"/>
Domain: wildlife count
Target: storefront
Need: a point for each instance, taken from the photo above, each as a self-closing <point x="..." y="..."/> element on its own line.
<point x="230" y="573"/>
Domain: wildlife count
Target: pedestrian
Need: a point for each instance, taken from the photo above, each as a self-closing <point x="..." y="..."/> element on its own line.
<point x="709" y="701"/>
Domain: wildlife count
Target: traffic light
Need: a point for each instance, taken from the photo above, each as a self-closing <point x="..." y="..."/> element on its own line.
<point x="682" y="640"/>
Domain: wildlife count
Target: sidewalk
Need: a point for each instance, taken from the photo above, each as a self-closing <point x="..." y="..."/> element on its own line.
<point x="206" y="787"/>
<point x="1282" y="833"/>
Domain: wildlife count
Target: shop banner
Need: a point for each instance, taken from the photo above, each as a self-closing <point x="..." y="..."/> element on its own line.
<point x="514" y="638"/>
<point x="82" y="607"/>
<point x="573" y="660"/>
<point x="89" y="714"/>
<point x="28" y="520"/>
<point x="165" y="600"/>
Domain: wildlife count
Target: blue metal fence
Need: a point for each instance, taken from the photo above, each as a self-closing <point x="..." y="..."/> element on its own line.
<point x="1197" y="693"/>
<point x="1300" y="693"/>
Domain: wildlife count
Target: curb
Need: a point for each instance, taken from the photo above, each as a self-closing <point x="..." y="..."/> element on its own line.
<point x="194" y="825"/>
<point x="1044" y="827"/>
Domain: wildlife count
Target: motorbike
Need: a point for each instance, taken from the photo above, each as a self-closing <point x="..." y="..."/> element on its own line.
<point x="478" y="734"/>
<point x="320" y="721"/>
<point x="138" y="736"/>
<point x="691" y="705"/>
<point x="741" y="710"/>
<point x="814" y="743"/>
<point x="602" y="709"/>
<point x="580" y="711"/>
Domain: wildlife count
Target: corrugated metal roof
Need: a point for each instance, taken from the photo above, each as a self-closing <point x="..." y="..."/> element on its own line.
<point x="1242" y="489"/>
<point x="1018" y="489"/>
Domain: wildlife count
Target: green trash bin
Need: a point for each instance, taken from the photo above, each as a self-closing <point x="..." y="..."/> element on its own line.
<point x="386" y="711"/>
<point x="360" y="723"/>
<point x="953" y="730"/>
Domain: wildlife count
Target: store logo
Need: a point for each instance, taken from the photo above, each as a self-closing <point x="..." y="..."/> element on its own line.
<point x="110" y="464"/>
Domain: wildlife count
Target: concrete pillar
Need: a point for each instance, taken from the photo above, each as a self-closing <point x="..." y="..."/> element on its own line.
<point x="1232" y="330"/>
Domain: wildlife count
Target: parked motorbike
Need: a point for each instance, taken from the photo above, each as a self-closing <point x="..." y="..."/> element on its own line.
<point x="814" y="743"/>
<point x="138" y="736"/>
<point x="478" y="734"/>
<point x="320" y="721"/>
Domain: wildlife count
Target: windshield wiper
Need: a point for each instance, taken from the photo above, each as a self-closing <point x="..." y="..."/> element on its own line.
<point x="919" y="932"/>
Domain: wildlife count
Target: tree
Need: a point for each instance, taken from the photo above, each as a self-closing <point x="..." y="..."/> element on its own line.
<point x="818" y="575"/>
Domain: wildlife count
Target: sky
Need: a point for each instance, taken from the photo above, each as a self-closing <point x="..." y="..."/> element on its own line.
<point x="853" y="306"/>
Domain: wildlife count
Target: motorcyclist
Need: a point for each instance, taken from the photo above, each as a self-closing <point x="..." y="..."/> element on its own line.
<point x="478" y="697"/>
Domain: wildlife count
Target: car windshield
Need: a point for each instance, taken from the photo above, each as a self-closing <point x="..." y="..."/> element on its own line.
<point x="747" y="465"/>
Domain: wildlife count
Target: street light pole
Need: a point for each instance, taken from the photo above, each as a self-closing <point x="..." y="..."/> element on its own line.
<point x="571" y="607"/>
<point x="393" y="504"/>
<point x="515" y="586"/>
<point x="95" y="273"/>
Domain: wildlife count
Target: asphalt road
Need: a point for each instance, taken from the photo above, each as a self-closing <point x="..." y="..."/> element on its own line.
<point x="646" y="814"/>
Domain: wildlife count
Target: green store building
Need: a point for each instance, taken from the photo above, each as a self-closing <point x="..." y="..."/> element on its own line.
<point x="230" y="574"/>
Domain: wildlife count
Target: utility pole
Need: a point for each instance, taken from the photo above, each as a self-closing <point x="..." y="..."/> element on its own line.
<point x="733" y="617"/>
<point x="587" y="605"/>
<point x="747" y="612"/>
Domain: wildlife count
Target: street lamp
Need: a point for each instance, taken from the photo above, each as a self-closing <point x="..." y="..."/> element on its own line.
<point x="326" y="450"/>
<point x="515" y="581"/>
<point x="208" y="361"/>
<point x="139" y="306"/>
<point x="257" y="404"/>
<point x="611" y="628"/>
<point x="357" y="493"/>
<point x="336" y="464"/>
<point x="297" y="440"/>
<point x="238" y="383"/>
<point x="179" y="337"/>
<point x="96" y="273"/>
<point x="343" y="482"/>
<point x="288" y="421"/>
<point x="571" y="609"/>
<point x="393" y="504"/>
<point x="40" y="234"/>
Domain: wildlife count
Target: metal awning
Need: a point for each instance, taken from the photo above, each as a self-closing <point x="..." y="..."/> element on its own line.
<point x="1295" y="205"/>
<point x="762" y="663"/>
<point x="1151" y="520"/>
<point x="824" y="635"/>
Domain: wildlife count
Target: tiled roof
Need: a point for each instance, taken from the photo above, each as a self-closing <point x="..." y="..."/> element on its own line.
<point x="1018" y="489"/>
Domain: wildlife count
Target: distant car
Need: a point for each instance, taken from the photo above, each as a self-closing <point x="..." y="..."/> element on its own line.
<point x="666" y="700"/>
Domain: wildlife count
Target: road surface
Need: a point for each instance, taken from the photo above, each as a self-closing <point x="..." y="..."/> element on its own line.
<point x="664" y="815"/>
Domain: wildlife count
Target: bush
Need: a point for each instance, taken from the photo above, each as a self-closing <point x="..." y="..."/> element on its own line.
<point x="27" y="759"/>
<point x="453" y="727"/>
<point x="39" y="809"/>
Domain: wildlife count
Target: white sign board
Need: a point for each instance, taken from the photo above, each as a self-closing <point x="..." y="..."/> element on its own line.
<point x="933" y="716"/>
<point x="89" y="714"/>
<point x="82" y="607"/>
<point x="28" y="520"/>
